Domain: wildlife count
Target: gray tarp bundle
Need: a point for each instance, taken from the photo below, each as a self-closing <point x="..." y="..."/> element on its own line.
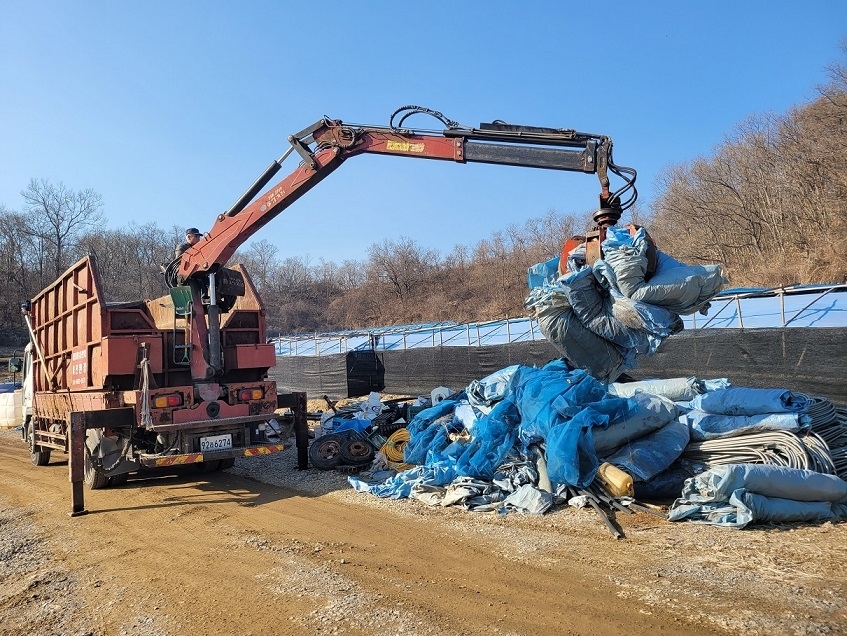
<point x="674" y="389"/>
<point x="601" y="318"/>
<point x="736" y="495"/>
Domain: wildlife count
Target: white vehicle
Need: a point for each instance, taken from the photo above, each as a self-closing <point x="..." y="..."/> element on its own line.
<point x="26" y="383"/>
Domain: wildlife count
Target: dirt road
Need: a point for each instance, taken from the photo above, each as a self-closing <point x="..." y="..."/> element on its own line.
<point x="227" y="554"/>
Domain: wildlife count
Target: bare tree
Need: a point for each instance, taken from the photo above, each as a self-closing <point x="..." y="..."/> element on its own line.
<point x="261" y="261"/>
<point x="17" y="280"/>
<point x="767" y="202"/>
<point x="58" y="216"/>
<point x="401" y="267"/>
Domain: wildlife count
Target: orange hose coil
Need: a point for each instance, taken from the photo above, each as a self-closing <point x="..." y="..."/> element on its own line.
<point x="393" y="449"/>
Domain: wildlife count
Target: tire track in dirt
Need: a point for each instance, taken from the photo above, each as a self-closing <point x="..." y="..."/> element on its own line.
<point x="221" y="554"/>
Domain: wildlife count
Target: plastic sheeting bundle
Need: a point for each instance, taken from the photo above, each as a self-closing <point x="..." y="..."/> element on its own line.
<point x="747" y="401"/>
<point x="680" y="288"/>
<point x="601" y="318"/>
<point x="737" y="495"/>
<point x="674" y="389"/>
<point x="738" y="411"/>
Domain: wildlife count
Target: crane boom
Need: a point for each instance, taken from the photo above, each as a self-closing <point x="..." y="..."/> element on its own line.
<point x="323" y="147"/>
<point x="334" y="141"/>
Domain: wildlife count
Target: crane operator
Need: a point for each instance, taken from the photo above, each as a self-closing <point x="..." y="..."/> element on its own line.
<point x="192" y="237"/>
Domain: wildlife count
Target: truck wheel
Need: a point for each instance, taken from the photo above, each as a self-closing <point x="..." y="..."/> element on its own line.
<point x="357" y="452"/>
<point x="94" y="477"/>
<point x="208" y="467"/>
<point x="118" y="480"/>
<point x="325" y="451"/>
<point x="227" y="463"/>
<point x="38" y="455"/>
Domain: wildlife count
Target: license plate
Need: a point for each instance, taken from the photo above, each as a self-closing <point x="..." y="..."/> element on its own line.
<point x="215" y="443"/>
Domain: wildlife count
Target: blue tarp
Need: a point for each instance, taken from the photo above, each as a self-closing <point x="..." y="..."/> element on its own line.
<point x="747" y="401"/>
<point x="644" y="413"/>
<point x="652" y="454"/>
<point x="705" y="426"/>
<point x="736" y="495"/>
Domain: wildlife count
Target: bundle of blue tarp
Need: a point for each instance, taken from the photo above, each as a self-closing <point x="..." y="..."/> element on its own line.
<point x="735" y="411"/>
<point x="601" y="318"/>
<point x="736" y="495"/>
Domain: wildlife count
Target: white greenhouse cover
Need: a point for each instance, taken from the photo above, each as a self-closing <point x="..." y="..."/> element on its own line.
<point x="798" y="306"/>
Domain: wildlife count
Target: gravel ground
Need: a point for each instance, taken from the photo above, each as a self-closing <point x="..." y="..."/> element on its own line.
<point x="36" y="586"/>
<point x="773" y="579"/>
<point x="776" y="579"/>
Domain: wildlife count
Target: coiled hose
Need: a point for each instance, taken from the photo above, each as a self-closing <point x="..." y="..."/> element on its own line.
<point x="393" y="450"/>
<point x="830" y="423"/>
<point x="777" y="448"/>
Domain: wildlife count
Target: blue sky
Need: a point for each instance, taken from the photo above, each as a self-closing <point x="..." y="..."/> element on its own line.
<point x="171" y="109"/>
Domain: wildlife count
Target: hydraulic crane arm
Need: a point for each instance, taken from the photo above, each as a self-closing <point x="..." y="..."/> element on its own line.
<point x="322" y="147"/>
<point x="327" y="143"/>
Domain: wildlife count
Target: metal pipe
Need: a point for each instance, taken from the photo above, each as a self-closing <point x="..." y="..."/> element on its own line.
<point x="642" y="508"/>
<point x="47" y="376"/>
<point x="257" y="186"/>
<point x="214" y="327"/>
<point x="797" y="315"/>
<point x="593" y="501"/>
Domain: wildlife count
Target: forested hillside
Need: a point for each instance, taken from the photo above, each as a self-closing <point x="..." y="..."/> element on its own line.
<point x="770" y="203"/>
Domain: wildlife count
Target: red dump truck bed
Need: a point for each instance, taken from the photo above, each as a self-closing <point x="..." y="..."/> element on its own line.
<point x="126" y="368"/>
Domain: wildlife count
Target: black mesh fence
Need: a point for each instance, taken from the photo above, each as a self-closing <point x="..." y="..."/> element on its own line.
<point x="812" y="361"/>
<point x="418" y="371"/>
<point x="316" y="375"/>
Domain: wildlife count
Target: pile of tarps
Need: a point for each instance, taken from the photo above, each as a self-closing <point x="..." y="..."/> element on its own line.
<point x="523" y="438"/>
<point x="481" y="448"/>
<point x="602" y="317"/>
<point x="736" y="495"/>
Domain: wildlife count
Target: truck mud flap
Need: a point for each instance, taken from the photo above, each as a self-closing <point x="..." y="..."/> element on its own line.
<point x="195" y="458"/>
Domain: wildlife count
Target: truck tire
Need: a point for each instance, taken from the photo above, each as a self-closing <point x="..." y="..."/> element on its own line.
<point x="325" y="451"/>
<point x="95" y="478"/>
<point x="208" y="467"/>
<point x="357" y="451"/>
<point x="227" y="463"/>
<point x="118" y="480"/>
<point x="38" y="455"/>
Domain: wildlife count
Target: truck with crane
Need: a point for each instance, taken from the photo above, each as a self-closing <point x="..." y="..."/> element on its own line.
<point x="183" y="379"/>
